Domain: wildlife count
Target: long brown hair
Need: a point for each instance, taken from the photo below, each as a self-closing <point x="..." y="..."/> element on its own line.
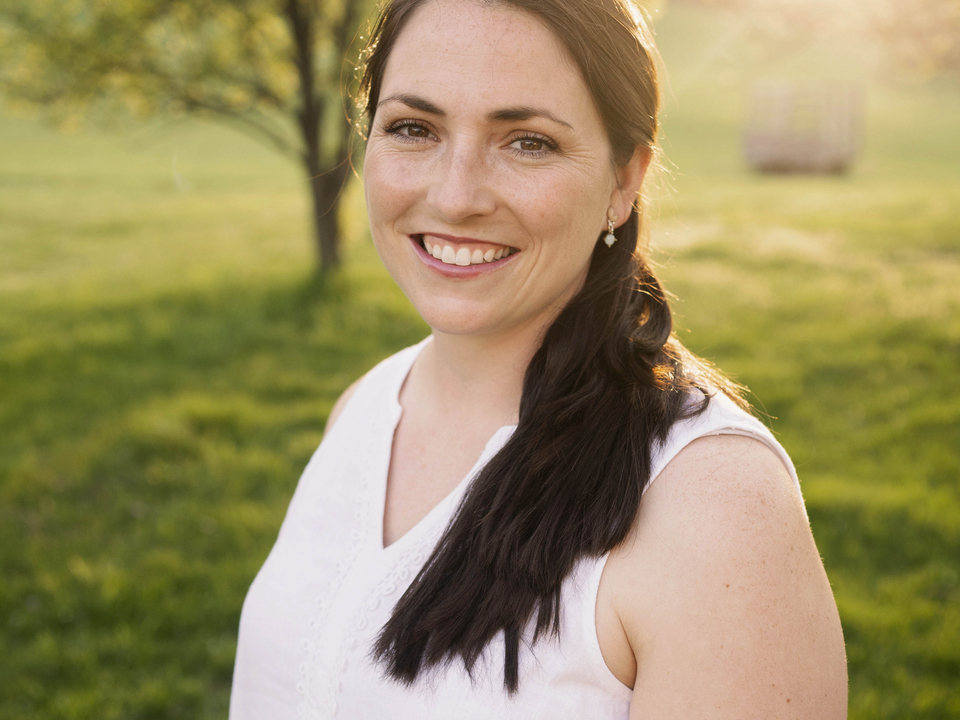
<point x="608" y="382"/>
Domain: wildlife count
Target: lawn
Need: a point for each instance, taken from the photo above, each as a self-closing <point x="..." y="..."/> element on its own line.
<point x="167" y="365"/>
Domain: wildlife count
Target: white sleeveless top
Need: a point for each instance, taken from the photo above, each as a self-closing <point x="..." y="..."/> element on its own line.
<point x="329" y="585"/>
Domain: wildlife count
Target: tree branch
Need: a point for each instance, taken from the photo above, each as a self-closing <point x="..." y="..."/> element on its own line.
<point x="256" y="128"/>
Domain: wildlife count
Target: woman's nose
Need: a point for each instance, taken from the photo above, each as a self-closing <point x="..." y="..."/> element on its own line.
<point x="461" y="187"/>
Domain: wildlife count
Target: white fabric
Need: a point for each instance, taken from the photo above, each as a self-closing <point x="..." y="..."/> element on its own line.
<point x="329" y="585"/>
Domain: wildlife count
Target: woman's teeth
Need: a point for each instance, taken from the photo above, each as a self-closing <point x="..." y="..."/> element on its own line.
<point x="463" y="256"/>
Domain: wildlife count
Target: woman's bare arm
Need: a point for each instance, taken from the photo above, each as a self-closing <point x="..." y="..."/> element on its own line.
<point x="723" y="597"/>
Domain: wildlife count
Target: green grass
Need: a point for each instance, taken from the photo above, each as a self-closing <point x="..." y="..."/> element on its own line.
<point x="166" y="368"/>
<point x="167" y="365"/>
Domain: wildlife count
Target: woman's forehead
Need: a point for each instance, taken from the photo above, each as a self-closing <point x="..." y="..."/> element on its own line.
<point x="483" y="55"/>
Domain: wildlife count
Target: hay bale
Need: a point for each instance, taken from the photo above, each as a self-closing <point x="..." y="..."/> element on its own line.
<point x="810" y="128"/>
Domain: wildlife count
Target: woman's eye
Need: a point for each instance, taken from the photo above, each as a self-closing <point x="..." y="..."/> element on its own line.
<point x="532" y="145"/>
<point x="409" y="130"/>
<point x="417" y="131"/>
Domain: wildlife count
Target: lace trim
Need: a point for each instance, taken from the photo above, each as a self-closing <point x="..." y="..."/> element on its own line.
<point x="320" y="702"/>
<point x="393" y="584"/>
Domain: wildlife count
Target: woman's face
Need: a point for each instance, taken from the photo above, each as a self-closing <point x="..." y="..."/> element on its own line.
<point x="488" y="173"/>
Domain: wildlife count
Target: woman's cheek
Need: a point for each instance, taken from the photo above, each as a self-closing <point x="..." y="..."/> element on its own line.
<point x="389" y="180"/>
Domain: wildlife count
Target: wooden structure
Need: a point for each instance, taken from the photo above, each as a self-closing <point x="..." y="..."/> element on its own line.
<point x="812" y="128"/>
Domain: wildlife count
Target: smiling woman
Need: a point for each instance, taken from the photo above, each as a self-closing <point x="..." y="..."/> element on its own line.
<point x="477" y="147"/>
<point x="469" y="539"/>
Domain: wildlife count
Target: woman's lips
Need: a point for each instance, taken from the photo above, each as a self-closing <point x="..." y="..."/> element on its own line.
<point x="462" y="252"/>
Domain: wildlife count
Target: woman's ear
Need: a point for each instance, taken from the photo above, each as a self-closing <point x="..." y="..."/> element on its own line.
<point x="629" y="179"/>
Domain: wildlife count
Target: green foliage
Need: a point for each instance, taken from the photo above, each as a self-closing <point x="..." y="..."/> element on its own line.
<point x="130" y="57"/>
<point x="167" y="364"/>
<point x="144" y="57"/>
<point x="904" y="40"/>
<point x="273" y="68"/>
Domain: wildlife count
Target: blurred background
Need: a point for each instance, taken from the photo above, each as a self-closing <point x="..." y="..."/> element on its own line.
<point x="175" y="323"/>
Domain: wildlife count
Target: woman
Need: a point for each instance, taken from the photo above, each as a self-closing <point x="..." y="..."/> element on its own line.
<point x="469" y="541"/>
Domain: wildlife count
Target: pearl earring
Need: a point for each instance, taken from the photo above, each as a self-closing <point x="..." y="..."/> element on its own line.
<point x="610" y="238"/>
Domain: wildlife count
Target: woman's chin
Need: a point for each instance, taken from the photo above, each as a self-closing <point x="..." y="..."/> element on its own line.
<point x="458" y="322"/>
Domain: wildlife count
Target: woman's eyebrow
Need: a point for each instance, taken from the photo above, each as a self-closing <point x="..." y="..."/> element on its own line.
<point x="525" y="113"/>
<point x="415" y="102"/>
<point x="511" y="114"/>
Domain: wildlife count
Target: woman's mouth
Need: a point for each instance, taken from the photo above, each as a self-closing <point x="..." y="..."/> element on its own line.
<point x="463" y="253"/>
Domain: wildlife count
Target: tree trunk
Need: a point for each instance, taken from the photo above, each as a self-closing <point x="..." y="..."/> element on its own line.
<point x="325" y="191"/>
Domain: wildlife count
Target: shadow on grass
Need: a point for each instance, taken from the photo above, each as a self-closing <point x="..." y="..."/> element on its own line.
<point x="150" y="450"/>
<point x="153" y="448"/>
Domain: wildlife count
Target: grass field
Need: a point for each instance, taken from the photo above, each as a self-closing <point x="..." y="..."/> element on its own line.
<point x="167" y="365"/>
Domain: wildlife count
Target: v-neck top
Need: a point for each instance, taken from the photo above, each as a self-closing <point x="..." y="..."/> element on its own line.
<point x="329" y="585"/>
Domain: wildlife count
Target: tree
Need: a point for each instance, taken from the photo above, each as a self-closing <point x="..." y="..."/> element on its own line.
<point x="274" y="68"/>
<point x="917" y="38"/>
<point x="924" y="34"/>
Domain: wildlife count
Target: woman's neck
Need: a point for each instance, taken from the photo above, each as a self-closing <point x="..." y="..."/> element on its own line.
<point x="475" y="376"/>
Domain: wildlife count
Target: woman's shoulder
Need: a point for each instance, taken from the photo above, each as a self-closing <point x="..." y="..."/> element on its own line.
<point x="719" y="416"/>
<point x="725" y="470"/>
<point x="383" y="381"/>
<point x="720" y="589"/>
<point x="723" y="489"/>
<point x="341" y="403"/>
